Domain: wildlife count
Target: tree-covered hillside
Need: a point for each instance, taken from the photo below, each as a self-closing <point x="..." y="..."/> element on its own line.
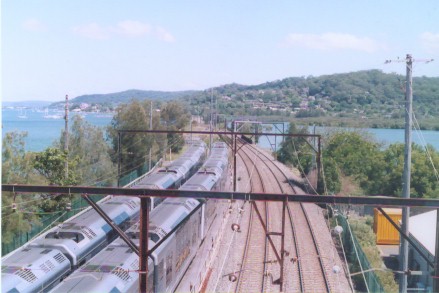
<point x="126" y="96"/>
<point x="368" y="98"/>
<point x="363" y="96"/>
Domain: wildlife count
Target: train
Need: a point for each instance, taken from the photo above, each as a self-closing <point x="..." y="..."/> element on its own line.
<point x="42" y="263"/>
<point x="186" y="219"/>
<point x="173" y="175"/>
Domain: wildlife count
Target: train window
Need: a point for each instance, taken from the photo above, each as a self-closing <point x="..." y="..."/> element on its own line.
<point x="115" y="290"/>
<point x="134" y="235"/>
<point x="154" y="237"/>
<point x="77" y="237"/>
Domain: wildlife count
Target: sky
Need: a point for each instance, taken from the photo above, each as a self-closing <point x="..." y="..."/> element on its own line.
<point x="53" y="48"/>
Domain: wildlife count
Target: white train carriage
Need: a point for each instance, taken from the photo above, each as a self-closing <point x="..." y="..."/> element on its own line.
<point x="33" y="270"/>
<point x="78" y="239"/>
<point x="82" y="237"/>
<point x="180" y="169"/>
<point x="116" y="268"/>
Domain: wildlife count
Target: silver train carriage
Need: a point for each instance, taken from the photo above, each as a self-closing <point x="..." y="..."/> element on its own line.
<point x="177" y="172"/>
<point x="116" y="268"/>
<point x="65" y="247"/>
<point x="79" y="238"/>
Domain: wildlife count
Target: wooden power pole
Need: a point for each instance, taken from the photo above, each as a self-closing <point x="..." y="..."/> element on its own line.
<point x="403" y="253"/>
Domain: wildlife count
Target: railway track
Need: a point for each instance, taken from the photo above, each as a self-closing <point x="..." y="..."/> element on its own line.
<point x="307" y="264"/>
<point x="251" y="275"/>
<point x="311" y="271"/>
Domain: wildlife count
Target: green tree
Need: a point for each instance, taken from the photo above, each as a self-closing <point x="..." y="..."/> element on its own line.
<point x="356" y="154"/>
<point x="17" y="164"/>
<point x="18" y="210"/>
<point x="87" y="144"/>
<point x="330" y="181"/>
<point x="423" y="181"/>
<point x="134" y="146"/>
<point x="175" y="117"/>
<point x="295" y="150"/>
<point x="51" y="164"/>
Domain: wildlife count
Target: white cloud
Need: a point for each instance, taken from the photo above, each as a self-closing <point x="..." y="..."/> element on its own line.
<point x="132" y="28"/>
<point x="92" y="31"/>
<point x="334" y="41"/>
<point x="430" y="41"/>
<point x="34" y="25"/>
<point x="164" y="35"/>
<point x="126" y="28"/>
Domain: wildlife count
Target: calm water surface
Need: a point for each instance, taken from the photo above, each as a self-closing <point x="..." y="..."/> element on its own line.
<point x="385" y="136"/>
<point x="43" y="131"/>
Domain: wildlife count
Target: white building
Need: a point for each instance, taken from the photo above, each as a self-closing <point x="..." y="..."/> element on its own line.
<point x="422" y="229"/>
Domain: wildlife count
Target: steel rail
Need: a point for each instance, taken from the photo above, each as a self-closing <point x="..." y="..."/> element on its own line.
<point x="250" y="229"/>
<point x="291" y="221"/>
<point x="296" y="247"/>
<point x="247" y="241"/>
<point x="315" y="242"/>
<point x="280" y="257"/>
<point x="317" y="247"/>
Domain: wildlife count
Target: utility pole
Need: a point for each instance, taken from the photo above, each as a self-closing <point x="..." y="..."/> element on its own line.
<point x="407" y="172"/>
<point x="150" y="128"/>
<point x="216" y="112"/>
<point x="211" y="115"/>
<point x="403" y="253"/>
<point x="66" y="137"/>
<point x="190" y="120"/>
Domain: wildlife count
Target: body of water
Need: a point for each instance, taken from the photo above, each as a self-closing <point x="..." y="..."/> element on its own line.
<point x="42" y="132"/>
<point x="385" y="136"/>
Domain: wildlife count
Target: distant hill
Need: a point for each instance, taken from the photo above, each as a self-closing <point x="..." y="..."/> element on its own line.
<point x="126" y="96"/>
<point x="27" y="104"/>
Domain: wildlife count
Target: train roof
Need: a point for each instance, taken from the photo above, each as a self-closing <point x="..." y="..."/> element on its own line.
<point x="22" y="271"/>
<point x="112" y="270"/>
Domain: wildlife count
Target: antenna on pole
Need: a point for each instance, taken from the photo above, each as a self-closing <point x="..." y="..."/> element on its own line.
<point x="403" y="253"/>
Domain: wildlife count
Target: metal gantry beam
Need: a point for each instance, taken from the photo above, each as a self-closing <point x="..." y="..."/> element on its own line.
<point x="145" y="194"/>
<point x="232" y="133"/>
<point x="110" y="222"/>
<point x="383" y="201"/>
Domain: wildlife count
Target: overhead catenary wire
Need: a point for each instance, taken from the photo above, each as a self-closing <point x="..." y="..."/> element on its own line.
<point x="425" y="146"/>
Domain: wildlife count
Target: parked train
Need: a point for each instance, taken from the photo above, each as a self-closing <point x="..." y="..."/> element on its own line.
<point x="116" y="268"/>
<point x="47" y="260"/>
<point x="177" y="172"/>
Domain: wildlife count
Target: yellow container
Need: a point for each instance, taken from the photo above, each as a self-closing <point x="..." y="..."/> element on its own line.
<point x="384" y="230"/>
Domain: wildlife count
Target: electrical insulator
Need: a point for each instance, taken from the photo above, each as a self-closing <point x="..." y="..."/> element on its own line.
<point x="14" y="206"/>
<point x="68" y="206"/>
<point x="232" y="278"/>
<point x="236" y="228"/>
<point x="338" y="230"/>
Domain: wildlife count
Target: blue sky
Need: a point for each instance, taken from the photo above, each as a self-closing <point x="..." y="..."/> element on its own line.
<point x="53" y="48"/>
